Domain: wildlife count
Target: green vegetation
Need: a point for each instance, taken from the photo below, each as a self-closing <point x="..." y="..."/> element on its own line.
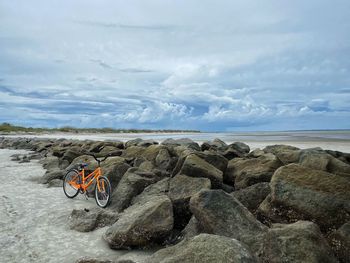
<point x="8" y="128"/>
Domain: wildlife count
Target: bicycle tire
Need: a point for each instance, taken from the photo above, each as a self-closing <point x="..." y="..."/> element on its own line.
<point x="66" y="179"/>
<point x="105" y="193"/>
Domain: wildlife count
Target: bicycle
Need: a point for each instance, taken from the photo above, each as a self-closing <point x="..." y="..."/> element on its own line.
<point x="76" y="181"/>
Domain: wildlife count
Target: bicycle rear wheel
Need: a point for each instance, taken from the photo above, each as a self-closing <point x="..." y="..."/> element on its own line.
<point x="102" y="192"/>
<point x="71" y="182"/>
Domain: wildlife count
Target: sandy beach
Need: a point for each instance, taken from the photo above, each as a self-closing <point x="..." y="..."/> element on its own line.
<point x="34" y="219"/>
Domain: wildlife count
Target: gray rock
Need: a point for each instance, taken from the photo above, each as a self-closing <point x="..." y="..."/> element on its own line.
<point x="221" y="214"/>
<point x="86" y="220"/>
<point x="142" y="224"/>
<point x="215" y="159"/>
<point x="299" y="193"/>
<point x="182" y="142"/>
<point x="286" y="153"/>
<point x="159" y="188"/>
<point x="133" y="183"/>
<point x="193" y="228"/>
<point x="204" y="248"/>
<point x="247" y="172"/>
<point x="182" y="188"/>
<point x="55" y="183"/>
<point x="51" y="175"/>
<point x="340" y="241"/>
<point x="252" y="196"/>
<point x="298" y="242"/>
<point x="197" y="167"/>
<point x="93" y="260"/>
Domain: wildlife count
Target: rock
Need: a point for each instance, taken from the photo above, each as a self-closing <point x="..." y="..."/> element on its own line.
<point x="298" y="242"/>
<point x="114" y="169"/>
<point x="55" y="183"/>
<point x="204" y="248"/>
<point x="159" y="188"/>
<point x="300" y="193"/>
<point x="182" y="142"/>
<point x="340" y="241"/>
<point x="344" y="157"/>
<point x="247" y="172"/>
<point x="142" y="224"/>
<point x="256" y="153"/>
<point x="221" y="214"/>
<point x="236" y="149"/>
<point x="147" y="166"/>
<point x="86" y="220"/>
<point x="51" y="175"/>
<point x="140" y="142"/>
<point x="72" y="153"/>
<point x="215" y="145"/>
<point x="133" y="152"/>
<point x="252" y="196"/>
<point x="181" y="189"/>
<point x="93" y="260"/>
<point x="50" y="163"/>
<point x="151" y="152"/>
<point x="193" y="228"/>
<point x="164" y="160"/>
<point x="197" y="167"/>
<point x="132" y="183"/>
<point x="215" y="159"/>
<point x="285" y="153"/>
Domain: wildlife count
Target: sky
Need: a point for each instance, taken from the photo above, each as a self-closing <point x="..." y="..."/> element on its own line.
<point x="160" y="64"/>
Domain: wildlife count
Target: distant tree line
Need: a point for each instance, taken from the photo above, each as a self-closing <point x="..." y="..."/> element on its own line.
<point x="7" y="128"/>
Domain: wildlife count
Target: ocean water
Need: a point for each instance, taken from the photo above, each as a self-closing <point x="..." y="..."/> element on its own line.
<point x="338" y="140"/>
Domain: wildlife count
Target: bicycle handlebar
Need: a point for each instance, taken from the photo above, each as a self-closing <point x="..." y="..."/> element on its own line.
<point x="115" y="153"/>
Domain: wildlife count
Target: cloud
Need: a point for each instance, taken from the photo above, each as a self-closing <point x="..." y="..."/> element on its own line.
<point x="195" y="65"/>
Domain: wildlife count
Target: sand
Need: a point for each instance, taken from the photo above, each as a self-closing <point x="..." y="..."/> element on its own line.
<point x="34" y="219"/>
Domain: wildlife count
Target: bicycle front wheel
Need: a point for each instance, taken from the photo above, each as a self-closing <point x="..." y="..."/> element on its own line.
<point x="71" y="183"/>
<point x="102" y="192"/>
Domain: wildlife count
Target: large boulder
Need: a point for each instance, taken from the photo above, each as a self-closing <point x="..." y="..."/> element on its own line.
<point x="165" y="161"/>
<point x="50" y="163"/>
<point x="132" y="183"/>
<point x="286" y="153"/>
<point x="51" y="175"/>
<point x="182" y="142"/>
<point x="204" y="248"/>
<point x="133" y="152"/>
<point x="141" y="224"/>
<point x="114" y="168"/>
<point x="298" y="242"/>
<point x="236" y="149"/>
<point x="340" y="241"/>
<point x="197" y="167"/>
<point x="159" y="188"/>
<point x="193" y="228"/>
<point x="298" y="192"/>
<point x="215" y="145"/>
<point x="215" y="159"/>
<point x="86" y="220"/>
<point x="221" y="214"/>
<point x="181" y="189"/>
<point x="140" y="142"/>
<point x="252" y="196"/>
<point x="247" y="172"/>
<point x="320" y="160"/>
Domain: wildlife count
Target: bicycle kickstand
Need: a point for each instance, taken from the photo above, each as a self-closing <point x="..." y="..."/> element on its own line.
<point x="86" y="197"/>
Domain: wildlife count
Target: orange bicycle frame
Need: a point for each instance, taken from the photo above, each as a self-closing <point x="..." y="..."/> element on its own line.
<point x="92" y="176"/>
